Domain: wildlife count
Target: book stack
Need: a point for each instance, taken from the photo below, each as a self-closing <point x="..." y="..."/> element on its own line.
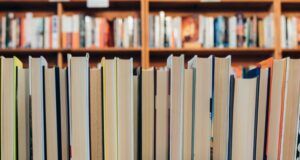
<point x="83" y="31"/>
<point x="29" y="31"/>
<point x="290" y="31"/>
<point x="197" y="31"/>
<point x="113" y="111"/>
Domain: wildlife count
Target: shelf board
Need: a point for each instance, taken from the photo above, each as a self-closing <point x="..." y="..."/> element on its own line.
<point x="80" y="50"/>
<point x="104" y="50"/>
<point x="214" y="51"/>
<point x="291" y="51"/>
<point x="27" y="5"/>
<point x="25" y="51"/>
<point x="113" y="5"/>
<point x="224" y="5"/>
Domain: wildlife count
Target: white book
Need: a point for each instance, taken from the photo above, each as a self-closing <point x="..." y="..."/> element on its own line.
<point x="3" y="31"/>
<point x="209" y="32"/>
<point x="79" y="106"/>
<point x="88" y="31"/>
<point x="97" y="33"/>
<point x="203" y="94"/>
<point x="168" y="37"/>
<point x="232" y="32"/>
<point x="97" y="3"/>
<point x="29" y="28"/>
<point x="162" y="31"/>
<point x="176" y="24"/>
<point x="294" y="25"/>
<point x="47" y="33"/>
<point x="118" y="24"/>
<point x="283" y="31"/>
<point x="156" y="32"/>
<point x="36" y="91"/>
<point x="14" y="33"/>
<point x="201" y="29"/>
<point x="127" y="32"/>
<point x="55" y="32"/>
<point x="176" y="66"/>
<point x="125" y="108"/>
<point x="136" y="33"/>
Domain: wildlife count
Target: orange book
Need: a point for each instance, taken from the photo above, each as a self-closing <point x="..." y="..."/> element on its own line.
<point x="189" y="32"/>
<point x="75" y="32"/>
<point x="22" y="33"/>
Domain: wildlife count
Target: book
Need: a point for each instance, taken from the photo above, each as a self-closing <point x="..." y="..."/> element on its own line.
<point x="136" y="115"/>
<point x="64" y="114"/>
<point x="221" y="85"/>
<point x="9" y="134"/>
<point x="23" y="112"/>
<point x="162" y="114"/>
<point x="110" y="108"/>
<point x="291" y="110"/>
<point x="37" y="83"/>
<point x="176" y="67"/>
<point x="262" y="111"/>
<point x="148" y="114"/>
<point x="245" y="94"/>
<point x="96" y="113"/>
<point x="276" y="101"/>
<point x="188" y="114"/>
<point x="202" y="83"/>
<point x="189" y="32"/>
<point x="79" y="107"/>
<point x="52" y="114"/>
<point x="125" y="121"/>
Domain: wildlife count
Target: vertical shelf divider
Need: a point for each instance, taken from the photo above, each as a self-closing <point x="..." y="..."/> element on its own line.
<point x="59" y="14"/>
<point x="145" y="57"/>
<point x="277" y="29"/>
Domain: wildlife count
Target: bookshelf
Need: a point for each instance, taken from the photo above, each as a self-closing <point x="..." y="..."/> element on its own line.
<point x="145" y="56"/>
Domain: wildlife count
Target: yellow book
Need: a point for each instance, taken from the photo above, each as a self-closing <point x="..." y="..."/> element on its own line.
<point x="9" y="106"/>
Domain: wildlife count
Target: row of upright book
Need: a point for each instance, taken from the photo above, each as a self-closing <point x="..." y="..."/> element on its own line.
<point x="77" y="31"/>
<point x="83" y="31"/>
<point x="209" y="110"/>
<point x="290" y="31"/>
<point x="196" y="31"/>
<point x="29" y="31"/>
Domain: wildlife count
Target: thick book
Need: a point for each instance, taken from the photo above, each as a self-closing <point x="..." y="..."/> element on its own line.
<point x="291" y="110"/>
<point x="37" y="83"/>
<point x="276" y="109"/>
<point x="245" y="94"/>
<point x="23" y="114"/>
<point x="203" y="70"/>
<point x="162" y="114"/>
<point x="220" y="114"/>
<point x="96" y="113"/>
<point x="9" y="107"/>
<point x="176" y="66"/>
<point x="125" y="108"/>
<point x="148" y="114"/>
<point x="51" y="115"/>
<point x="110" y="110"/>
<point x="188" y="114"/>
<point x="79" y="107"/>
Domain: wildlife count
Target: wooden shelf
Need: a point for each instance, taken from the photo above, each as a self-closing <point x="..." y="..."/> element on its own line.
<point x="80" y="50"/>
<point x="104" y="51"/>
<point x="224" y="5"/>
<point x="28" y="51"/>
<point x="214" y="51"/>
<point x="291" y="52"/>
